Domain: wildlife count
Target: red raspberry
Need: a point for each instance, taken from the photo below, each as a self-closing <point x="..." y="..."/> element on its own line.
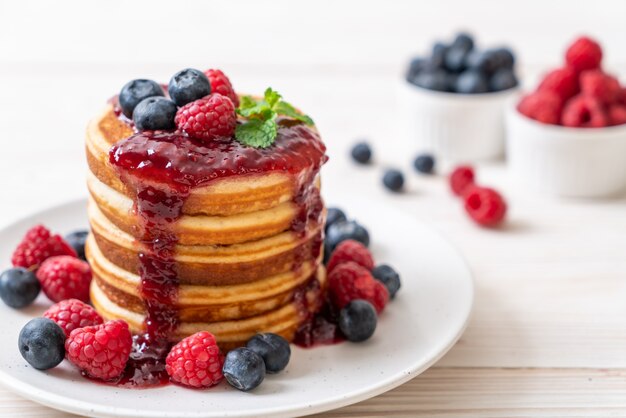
<point x="349" y="281"/>
<point x="208" y="118"/>
<point x="584" y="54"/>
<point x="602" y="86"/>
<point x="221" y="84"/>
<point x="64" y="277"/>
<point x="71" y="314"/>
<point x="563" y="82"/>
<point x="37" y="245"/>
<point x="617" y="115"/>
<point x="461" y="178"/>
<point x="100" y="351"/>
<point x="195" y="361"/>
<point x="351" y="250"/>
<point x="485" y="206"/>
<point x="622" y="96"/>
<point x="584" y="112"/>
<point x="542" y="106"/>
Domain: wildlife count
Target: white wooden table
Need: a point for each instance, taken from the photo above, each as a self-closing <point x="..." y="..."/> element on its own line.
<point x="548" y="334"/>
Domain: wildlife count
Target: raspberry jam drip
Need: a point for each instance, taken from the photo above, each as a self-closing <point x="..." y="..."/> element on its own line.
<point x="162" y="168"/>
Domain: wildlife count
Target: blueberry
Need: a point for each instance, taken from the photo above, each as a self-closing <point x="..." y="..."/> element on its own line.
<point x="42" y="343"/>
<point x="188" y="85"/>
<point x="456" y="58"/>
<point x="416" y="66"/>
<point x="505" y="58"/>
<point x="472" y="82"/>
<point x="393" y="180"/>
<point x="361" y="153"/>
<point x="432" y="80"/>
<point x="334" y="215"/>
<point x="19" y="287"/>
<point x="155" y="113"/>
<point x="244" y="369"/>
<point x="135" y="91"/>
<point x="389" y="277"/>
<point x="274" y="350"/>
<point x="357" y="320"/>
<point x="503" y="79"/>
<point x="77" y="240"/>
<point x="343" y="230"/>
<point x="424" y="163"/>
<point x="438" y="55"/>
<point x="464" y="41"/>
<point x="482" y="61"/>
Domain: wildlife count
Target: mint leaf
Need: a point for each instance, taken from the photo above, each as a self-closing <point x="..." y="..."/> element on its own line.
<point x="257" y="133"/>
<point x="284" y="108"/>
<point x="260" y="129"/>
<point x="272" y="97"/>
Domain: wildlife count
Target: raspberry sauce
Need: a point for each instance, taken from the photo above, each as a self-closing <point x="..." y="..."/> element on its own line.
<point x="162" y="168"/>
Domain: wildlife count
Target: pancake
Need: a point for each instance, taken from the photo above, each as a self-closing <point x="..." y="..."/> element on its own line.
<point x="189" y="235"/>
<point x="224" y="196"/>
<point x="284" y="320"/>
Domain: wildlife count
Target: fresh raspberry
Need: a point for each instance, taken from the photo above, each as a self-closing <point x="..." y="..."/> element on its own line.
<point x="602" y="86"/>
<point x="617" y="115"/>
<point x="584" y="112"/>
<point x="221" y="84"/>
<point x="351" y="250"/>
<point x="485" y="206"/>
<point x="37" y="245"/>
<point x="349" y="281"/>
<point x="208" y="118"/>
<point x="461" y="178"/>
<point x="542" y="106"/>
<point x="71" y="314"/>
<point x="100" y="351"/>
<point x="195" y="361"/>
<point x="64" y="277"/>
<point x="622" y="96"/>
<point x="563" y="82"/>
<point x="584" y="54"/>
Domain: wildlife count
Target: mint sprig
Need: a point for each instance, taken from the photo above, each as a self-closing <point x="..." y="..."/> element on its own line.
<point x="260" y="130"/>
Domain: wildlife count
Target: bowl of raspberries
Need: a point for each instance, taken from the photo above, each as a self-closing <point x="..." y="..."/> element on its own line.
<point x="453" y="100"/>
<point x="568" y="137"/>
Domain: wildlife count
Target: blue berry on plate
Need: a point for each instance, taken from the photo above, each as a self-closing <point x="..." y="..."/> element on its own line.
<point x="155" y="113"/>
<point x="503" y="79"/>
<point x="42" y="343"/>
<point x="357" y="320"/>
<point x="393" y="180"/>
<point x="19" y="287"/>
<point x="424" y="163"/>
<point x="361" y="153"/>
<point x="77" y="240"/>
<point x="343" y="230"/>
<point x="188" y="85"/>
<point x="472" y="82"/>
<point x="389" y="277"/>
<point x="135" y="91"/>
<point x="244" y="369"/>
<point x="334" y="215"/>
<point x="432" y="80"/>
<point x="274" y="350"/>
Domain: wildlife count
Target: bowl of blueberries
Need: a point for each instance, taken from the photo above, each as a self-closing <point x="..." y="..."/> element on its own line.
<point x="452" y="102"/>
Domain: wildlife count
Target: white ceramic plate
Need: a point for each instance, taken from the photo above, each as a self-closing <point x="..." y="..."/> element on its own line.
<point x="423" y="322"/>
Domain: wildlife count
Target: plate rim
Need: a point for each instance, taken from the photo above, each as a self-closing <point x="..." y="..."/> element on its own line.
<point x="68" y="404"/>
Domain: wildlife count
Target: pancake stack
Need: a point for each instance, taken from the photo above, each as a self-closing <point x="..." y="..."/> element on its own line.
<point x="233" y="246"/>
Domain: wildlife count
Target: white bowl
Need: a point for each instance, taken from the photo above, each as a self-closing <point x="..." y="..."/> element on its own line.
<point x="563" y="161"/>
<point x="456" y="127"/>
